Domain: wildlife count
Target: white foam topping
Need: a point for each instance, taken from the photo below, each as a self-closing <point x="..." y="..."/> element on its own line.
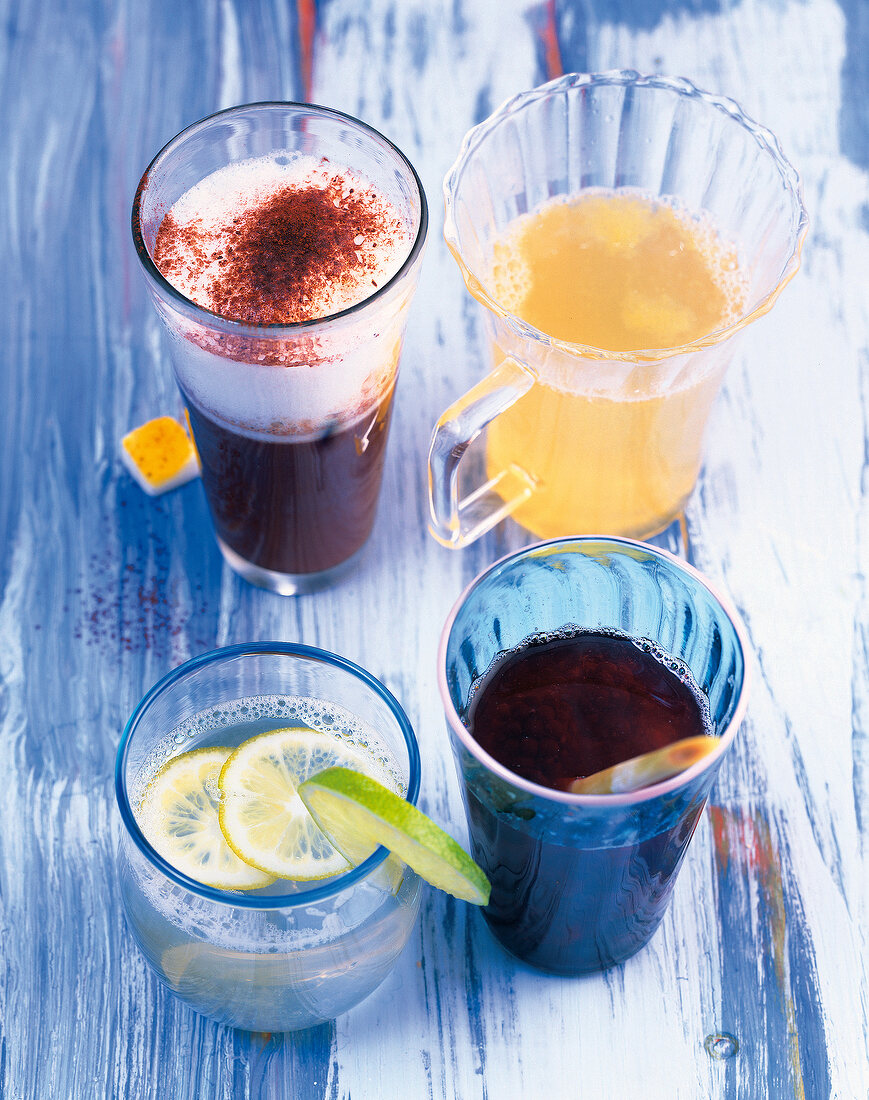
<point x="286" y="382"/>
<point x="204" y="231"/>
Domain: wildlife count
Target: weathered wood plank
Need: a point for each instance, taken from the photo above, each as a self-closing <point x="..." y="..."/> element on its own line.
<point x="102" y="590"/>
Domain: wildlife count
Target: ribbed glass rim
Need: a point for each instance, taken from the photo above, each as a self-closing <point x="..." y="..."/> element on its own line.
<point x="317" y="892"/>
<point x="625" y="78"/>
<point x="596" y="801"/>
<point x="275" y="330"/>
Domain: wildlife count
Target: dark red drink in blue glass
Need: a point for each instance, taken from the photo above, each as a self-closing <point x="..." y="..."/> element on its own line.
<point x="559" y="661"/>
<point x="560" y="709"/>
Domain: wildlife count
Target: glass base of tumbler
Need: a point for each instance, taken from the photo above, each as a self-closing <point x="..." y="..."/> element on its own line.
<point x="287" y="584"/>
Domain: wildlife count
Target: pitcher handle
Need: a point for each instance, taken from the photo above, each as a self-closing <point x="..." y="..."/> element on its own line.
<point x="458" y="522"/>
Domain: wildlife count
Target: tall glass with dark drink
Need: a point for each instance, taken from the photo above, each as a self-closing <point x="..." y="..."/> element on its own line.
<point x="281" y="244"/>
<point x="561" y="661"/>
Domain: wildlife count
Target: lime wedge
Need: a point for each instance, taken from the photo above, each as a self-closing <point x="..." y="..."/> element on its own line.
<point x="261" y="815"/>
<point x="650" y="767"/>
<point x="357" y="813"/>
<point x="178" y="815"/>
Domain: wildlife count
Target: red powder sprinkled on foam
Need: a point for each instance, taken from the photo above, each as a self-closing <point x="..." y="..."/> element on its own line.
<point x="281" y="260"/>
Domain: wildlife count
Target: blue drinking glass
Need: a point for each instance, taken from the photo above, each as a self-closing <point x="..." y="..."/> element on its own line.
<point x="580" y="882"/>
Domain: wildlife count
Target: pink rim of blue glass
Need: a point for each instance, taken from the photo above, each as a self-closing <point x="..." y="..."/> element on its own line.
<point x="598" y="801"/>
<point x="227" y="897"/>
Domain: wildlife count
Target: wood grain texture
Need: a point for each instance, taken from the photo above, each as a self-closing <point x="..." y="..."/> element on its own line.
<point x="102" y="590"/>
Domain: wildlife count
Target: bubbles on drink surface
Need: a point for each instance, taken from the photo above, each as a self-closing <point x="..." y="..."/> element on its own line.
<point x="566" y="704"/>
<point x="231" y="723"/>
<point x="618" y="270"/>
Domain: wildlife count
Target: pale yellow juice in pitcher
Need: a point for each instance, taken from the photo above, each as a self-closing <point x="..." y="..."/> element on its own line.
<point x="611" y="447"/>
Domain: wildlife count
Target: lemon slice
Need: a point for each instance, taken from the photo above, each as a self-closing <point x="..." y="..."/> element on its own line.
<point x="353" y="809"/>
<point x="262" y="817"/>
<point x="178" y="815"/>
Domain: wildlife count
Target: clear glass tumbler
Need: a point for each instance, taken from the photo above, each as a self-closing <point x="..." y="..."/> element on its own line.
<point x="580" y="882"/>
<point x="290" y="420"/>
<point x="293" y="955"/>
<point x="580" y="438"/>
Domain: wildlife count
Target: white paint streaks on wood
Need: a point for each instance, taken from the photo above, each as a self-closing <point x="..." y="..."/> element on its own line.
<point x="101" y="591"/>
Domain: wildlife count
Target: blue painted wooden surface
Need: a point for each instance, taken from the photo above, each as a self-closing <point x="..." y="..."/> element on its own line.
<point x="102" y="589"/>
